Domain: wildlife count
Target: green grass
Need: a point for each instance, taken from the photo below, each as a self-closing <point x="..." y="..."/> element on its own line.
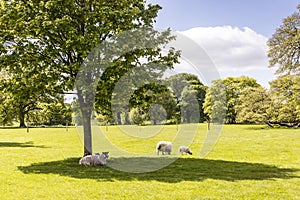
<point x="248" y="162"/>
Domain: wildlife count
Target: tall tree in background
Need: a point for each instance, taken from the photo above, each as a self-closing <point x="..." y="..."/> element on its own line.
<point x="57" y="35"/>
<point x="153" y="100"/>
<point x="226" y="92"/>
<point x="284" y="46"/>
<point x="25" y="90"/>
<point x="215" y="102"/>
<point x="254" y="103"/>
<point x="285" y="96"/>
<point x="187" y="88"/>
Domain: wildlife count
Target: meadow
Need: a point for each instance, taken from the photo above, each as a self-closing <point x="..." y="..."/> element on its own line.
<point x="247" y="162"/>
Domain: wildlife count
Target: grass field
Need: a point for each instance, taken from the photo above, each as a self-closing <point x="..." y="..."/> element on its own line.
<point x="248" y="162"/>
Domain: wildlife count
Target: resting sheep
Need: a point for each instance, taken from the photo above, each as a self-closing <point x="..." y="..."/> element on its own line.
<point x="184" y="149"/>
<point x="96" y="159"/>
<point x="164" y="147"/>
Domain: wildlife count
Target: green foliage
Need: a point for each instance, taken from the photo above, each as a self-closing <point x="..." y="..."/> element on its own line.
<point x="215" y="102"/>
<point x="138" y="116"/>
<point x="51" y="114"/>
<point x="284" y="45"/>
<point x="152" y="102"/>
<point x="189" y="93"/>
<point x="254" y="103"/>
<point x="189" y="105"/>
<point x="23" y="93"/>
<point x="285" y="106"/>
<point x="222" y="98"/>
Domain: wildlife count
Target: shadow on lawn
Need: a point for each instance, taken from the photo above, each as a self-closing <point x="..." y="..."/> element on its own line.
<point x="19" y="144"/>
<point x="183" y="169"/>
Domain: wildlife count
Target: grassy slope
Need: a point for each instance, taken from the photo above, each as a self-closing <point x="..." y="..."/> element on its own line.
<point x="248" y="162"/>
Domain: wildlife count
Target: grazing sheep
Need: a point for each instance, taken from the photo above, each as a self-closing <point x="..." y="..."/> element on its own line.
<point x="184" y="149"/>
<point x="164" y="146"/>
<point x="96" y="159"/>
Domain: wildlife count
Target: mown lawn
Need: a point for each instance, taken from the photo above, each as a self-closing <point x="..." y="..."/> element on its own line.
<point x="248" y="162"/>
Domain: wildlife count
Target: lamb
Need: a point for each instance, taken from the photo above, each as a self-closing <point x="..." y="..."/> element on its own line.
<point x="184" y="149"/>
<point x="96" y="159"/>
<point x="164" y="146"/>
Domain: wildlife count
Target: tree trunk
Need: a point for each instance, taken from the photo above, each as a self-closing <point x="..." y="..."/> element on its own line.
<point x="119" y="121"/>
<point x="86" y="108"/>
<point x="87" y="131"/>
<point x="127" y="120"/>
<point x="22" y="119"/>
<point x="188" y="116"/>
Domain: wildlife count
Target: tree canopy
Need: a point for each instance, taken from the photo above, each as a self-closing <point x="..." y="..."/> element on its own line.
<point x="222" y="98"/>
<point x="284" y="46"/>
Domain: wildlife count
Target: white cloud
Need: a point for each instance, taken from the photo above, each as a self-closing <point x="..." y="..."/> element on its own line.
<point x="232" y="48"/>
<point x="224" y="51"/>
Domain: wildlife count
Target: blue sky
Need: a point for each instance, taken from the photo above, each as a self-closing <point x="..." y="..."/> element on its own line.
<point x="263" y="16"/>
<point x="242" y="27"/>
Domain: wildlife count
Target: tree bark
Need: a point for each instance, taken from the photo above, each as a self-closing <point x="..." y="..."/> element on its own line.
<point x="87" y="130"/>
<point x="86" y="107"/>
<point x="22" y="119"/>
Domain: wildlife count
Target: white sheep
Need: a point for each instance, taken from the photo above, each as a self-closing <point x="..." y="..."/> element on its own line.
<point x="164" y="146"/>
<point x="184" y="149"/>
<point x="96" y="159"/>
<point x="86" y="160"/>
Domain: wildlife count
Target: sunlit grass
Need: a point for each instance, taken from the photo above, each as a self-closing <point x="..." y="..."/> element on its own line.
<point x="248" y="162"/>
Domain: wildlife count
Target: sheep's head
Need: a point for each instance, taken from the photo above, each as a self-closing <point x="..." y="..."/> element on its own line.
<point x="105" y="154"/>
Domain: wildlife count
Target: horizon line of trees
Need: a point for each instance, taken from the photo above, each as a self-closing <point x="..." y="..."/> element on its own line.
<point x="245" y="102"/>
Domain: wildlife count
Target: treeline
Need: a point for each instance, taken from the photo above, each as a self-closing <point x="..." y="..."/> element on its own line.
<point x="184" y="99"/>
<point x="180" y="98"/>
<point x="243" y="100"/>
<point x="176" y="99"/>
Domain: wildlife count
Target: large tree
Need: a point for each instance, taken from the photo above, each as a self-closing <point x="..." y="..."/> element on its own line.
<point x="58" y="35"/>
<point x="284" y="46"/>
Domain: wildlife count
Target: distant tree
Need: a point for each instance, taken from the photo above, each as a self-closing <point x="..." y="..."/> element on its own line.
<point x="215" y="102"/>
<point x="24" y="92"/>
<point x="187" y="88"/>
<point x="190" y="110"/>
<point x="226" y="93"/>
<point x="284" y="46"/>
<point x="254" y="103"/>
<point x="58" y="113"/>
<point x="285" y="96"/>
<point x="138" y="115"/>
<point x="154" y="100"/>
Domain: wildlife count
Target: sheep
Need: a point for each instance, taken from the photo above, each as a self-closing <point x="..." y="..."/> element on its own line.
<point x="86" y="160"/>
<point x="164" y="146"/>
<point x="184" y="149"/>
<point x="96" y="159"/>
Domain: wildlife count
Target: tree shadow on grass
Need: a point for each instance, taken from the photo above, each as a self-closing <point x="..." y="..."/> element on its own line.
<point x="20" y="144"/>
<point x="183" y="169"/>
